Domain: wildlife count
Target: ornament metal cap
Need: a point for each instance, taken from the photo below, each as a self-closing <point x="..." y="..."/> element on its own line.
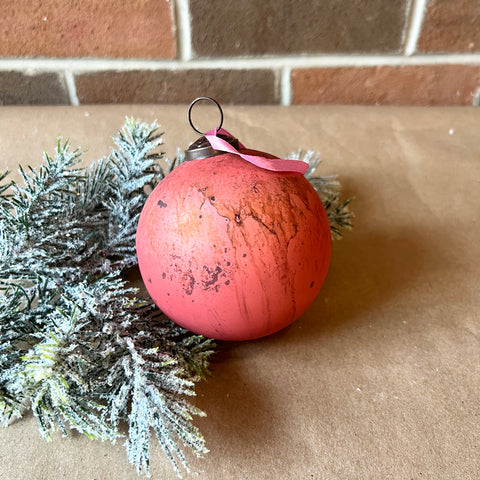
<point x="201" y="148"/>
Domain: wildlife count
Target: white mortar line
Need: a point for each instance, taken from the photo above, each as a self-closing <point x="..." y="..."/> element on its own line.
<point x="71" y="87"/>
<point x="314" y="61"/>
<point x="416" y="21"/>
<point x="406" y="26"/>
<point x="184" y="33"/>
<point x="285" y="86"/>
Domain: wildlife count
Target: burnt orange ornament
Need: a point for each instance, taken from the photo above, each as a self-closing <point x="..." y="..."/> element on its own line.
<point x="230" y="250"/>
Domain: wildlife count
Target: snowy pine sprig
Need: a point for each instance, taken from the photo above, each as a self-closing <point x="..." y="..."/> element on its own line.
<point x="328" y="188"/>
<point x="76" y="346"/>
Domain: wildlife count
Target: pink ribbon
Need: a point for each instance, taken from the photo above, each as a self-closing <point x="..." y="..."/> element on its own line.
<point x="273" y="164"/>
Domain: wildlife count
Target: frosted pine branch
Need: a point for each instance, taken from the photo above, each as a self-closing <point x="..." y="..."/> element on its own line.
<point x="76" y="346"/>
<point x="328" y="188"/>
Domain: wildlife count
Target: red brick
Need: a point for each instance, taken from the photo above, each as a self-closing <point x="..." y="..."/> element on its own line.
<point x="92" y="28"/>
<point x="253" y="27"/>
<point x="17" y="88"/>
<point x="178" y="86"/>
<point x="451" y="26"/>
<point x="408" y="85"/>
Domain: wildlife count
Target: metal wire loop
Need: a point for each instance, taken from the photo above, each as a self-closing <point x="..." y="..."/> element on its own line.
<point x="209" y="99"/>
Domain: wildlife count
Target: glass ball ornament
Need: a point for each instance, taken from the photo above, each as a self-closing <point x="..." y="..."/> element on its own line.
<point x="231" y="250"/>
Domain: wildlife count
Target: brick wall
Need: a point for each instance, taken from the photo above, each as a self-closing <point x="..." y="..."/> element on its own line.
<point x="407" y="52"/>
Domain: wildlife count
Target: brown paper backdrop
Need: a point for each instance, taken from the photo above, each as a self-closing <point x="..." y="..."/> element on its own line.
<point x="380" y="378"/>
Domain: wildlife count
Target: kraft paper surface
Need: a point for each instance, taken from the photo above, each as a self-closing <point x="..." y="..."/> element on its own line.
<point x="380" y="378"/>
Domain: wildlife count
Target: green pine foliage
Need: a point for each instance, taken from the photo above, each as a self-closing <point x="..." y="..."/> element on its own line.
<point x="328" y="188"/>
<point x="77" y="346"/>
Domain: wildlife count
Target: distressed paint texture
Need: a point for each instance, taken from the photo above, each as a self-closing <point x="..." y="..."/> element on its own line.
<point x="238" y="252"/>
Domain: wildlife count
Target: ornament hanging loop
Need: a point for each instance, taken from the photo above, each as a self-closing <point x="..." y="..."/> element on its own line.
<point x="211" y="100"/>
